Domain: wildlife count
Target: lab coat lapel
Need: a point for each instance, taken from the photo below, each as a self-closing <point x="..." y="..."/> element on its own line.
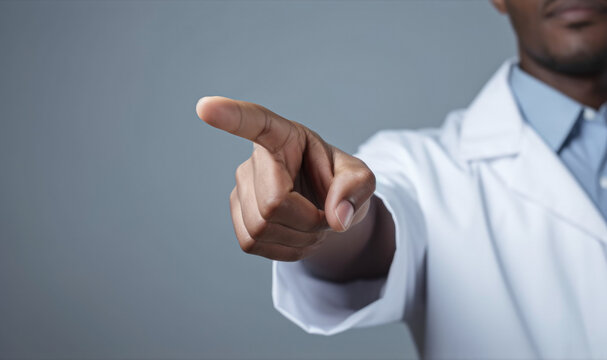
<point x="493" y="130"/>
<point x="539" y="175"/>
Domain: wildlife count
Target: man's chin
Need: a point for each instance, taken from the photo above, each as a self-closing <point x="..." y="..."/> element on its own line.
<point x="577" y="59"/>
<point x="576" y="66"/>
<point x="581" y="51"/>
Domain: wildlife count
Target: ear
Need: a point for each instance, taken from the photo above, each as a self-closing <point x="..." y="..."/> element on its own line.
<point x="500" y="5"/>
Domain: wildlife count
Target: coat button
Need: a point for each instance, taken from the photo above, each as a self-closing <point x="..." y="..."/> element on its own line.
<point x="589" y="114"/>
<point x="603" y="182"/>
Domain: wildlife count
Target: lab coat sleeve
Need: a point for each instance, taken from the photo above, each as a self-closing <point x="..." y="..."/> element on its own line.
<point x="323" y="307"/>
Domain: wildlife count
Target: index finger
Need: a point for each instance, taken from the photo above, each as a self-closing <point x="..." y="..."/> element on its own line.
<point x="247" y="120"/>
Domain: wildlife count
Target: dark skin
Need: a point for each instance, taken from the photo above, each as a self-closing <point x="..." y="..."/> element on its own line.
<point x="300" y="198"/>
<point x="563" y="43"/>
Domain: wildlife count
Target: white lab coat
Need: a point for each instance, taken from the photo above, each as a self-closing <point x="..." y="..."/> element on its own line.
<point x="500" y="252"/>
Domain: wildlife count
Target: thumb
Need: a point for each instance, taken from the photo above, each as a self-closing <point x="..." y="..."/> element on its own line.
<point x="352" y="186"/>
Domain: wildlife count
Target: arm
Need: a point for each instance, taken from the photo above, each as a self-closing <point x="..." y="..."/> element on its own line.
<point x="298" y="197"/>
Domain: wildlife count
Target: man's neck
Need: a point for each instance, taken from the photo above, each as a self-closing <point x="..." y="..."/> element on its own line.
<point x="589" y="90"/>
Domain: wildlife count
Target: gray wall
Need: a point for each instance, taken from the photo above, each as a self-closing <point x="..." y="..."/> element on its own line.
<point x="115" y="238"/>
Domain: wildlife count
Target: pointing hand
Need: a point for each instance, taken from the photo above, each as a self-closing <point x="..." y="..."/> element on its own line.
<point x="294" y="189"/>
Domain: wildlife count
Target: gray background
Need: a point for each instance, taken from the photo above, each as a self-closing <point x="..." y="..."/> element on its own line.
<point x="115" y="237"/>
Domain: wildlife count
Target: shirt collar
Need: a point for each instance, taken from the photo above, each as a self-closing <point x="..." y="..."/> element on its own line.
<point x="551" y="113"/>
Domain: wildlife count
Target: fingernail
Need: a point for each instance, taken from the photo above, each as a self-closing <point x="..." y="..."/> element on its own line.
<point x="344" y="213"/>
<point x="199" y="105"/>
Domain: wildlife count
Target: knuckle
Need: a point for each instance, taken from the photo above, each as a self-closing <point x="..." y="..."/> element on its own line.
<point x="366" y="178"/>
<point x="268" y="206"/>
<point x="310" y="133"/>
<point x="242" y="171"/>
<point x="247" y="245"/>
<point x="239" y="171"/>
<point x="258" y="228"/>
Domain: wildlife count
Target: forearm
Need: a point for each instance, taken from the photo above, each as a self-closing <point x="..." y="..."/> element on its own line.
<point x="364" y="251"/>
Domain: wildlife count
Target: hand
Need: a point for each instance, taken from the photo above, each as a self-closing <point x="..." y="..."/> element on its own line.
<point x="294" y="189"/>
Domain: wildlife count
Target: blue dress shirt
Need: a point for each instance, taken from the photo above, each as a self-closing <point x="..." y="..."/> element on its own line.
<point x="578" y="134"/>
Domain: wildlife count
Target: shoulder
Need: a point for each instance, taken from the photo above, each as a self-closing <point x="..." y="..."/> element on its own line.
<point x="425" y="150"/>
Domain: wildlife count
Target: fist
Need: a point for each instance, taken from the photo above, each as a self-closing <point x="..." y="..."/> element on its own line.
<point x="294" y="189"/>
